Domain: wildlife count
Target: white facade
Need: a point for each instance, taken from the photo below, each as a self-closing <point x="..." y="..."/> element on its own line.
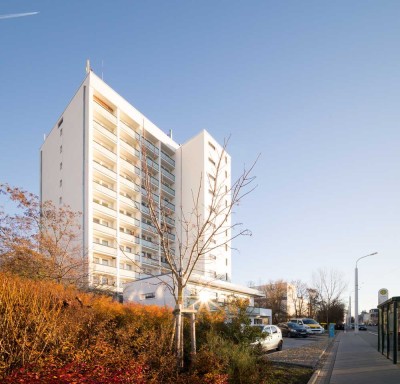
<point x="218" y="293"/>
<point x="91" y="161"/>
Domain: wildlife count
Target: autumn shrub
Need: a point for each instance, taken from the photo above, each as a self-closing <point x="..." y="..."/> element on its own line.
<point x="42" y="321"/>
<point x="239" y="361"/>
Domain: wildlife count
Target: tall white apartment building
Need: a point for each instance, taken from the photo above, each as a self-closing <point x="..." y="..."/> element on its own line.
<point x="91" y="160"/>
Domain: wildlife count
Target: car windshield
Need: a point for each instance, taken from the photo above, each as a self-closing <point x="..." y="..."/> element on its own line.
<point x="294" y="325"/>
<point x="309" y="321"/>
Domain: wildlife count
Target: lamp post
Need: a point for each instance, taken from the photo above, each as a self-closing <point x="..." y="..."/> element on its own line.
<point x="356" y="292"/>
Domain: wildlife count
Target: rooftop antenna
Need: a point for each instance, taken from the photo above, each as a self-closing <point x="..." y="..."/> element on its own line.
<point x="88" y="69"/>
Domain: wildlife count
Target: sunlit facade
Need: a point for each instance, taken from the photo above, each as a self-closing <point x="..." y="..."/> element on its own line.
<point x="92" y="161"/>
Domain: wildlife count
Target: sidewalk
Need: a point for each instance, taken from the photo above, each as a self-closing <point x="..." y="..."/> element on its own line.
<point x="351" y="360"/>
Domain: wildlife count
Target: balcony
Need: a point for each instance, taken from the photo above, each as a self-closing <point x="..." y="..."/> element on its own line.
<point x="168" y="220"/>
<point x="167" y="204"/>
<point x="149" y="261"/>
<point x="110" y="231"/>
<point x="104" y="112"/>
<point x="129" y="220"/>
<point x="105" y="249"/>
<point x="130" y="167"/>
<point x="149" y="244"/>
<point x="153" y="164"/>
<point x="150" y="146"/>
<point x="129" y="147"/>
<point x="155" y="197"/>
<point x="104" y="190"/>
<point x="107" y="269"/>
<point x="104" y="210"/>
<point x="167" y="189"/>
<point x="130" y="201"/>
<point x="105" y="150"/>
<point x="129" y="130"/>
<point x="167" y="174"/>
<point x="168" y="159"/>
<point x="104" y="169"/>
<point x="148" y="227"/>
<point x="154" y="181"/>
<point x="128" y="182"/>
<point x="105" y="131"/>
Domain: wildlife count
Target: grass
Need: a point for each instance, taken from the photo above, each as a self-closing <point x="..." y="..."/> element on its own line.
<point x="288" y="375"/>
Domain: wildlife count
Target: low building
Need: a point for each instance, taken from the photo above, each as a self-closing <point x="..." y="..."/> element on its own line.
<point x="200" y="292"/>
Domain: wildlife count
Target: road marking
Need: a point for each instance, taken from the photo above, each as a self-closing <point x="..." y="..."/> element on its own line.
<point x="373" y="333"/>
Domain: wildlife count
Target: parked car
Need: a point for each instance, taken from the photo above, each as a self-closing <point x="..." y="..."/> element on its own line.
<point x="362" y="327"/>
<point x="314" y="325"/>
<point x="293" y="330"/>
<point x="339" y="326"/>
<point x="272" y="340"/>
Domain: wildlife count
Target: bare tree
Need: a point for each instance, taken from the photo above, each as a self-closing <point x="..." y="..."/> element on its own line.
<point x="330" y="287"/>
<point x="202" y="229"/>
<point x="41" y="241"/>
<point x="299" y="297"/>
<point x="276" y="298"/>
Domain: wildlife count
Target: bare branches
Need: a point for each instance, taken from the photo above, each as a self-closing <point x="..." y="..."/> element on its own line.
<point x="41" y="240"/>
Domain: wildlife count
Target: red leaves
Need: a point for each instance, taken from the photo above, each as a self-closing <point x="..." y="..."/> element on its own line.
<point x="79" y="372"/>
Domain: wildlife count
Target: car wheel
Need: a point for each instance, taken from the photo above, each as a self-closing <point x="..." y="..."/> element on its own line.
<point x="280" y="346"/>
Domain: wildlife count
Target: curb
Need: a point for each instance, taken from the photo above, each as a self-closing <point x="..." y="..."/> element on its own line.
<point x="316" y="376"/>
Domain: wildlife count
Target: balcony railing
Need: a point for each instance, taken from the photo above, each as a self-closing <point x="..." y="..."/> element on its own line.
<point x="169" y="205"/>
<point x="152" y="164"/>
<point x="131" y="148"/>
<point x="169" y="220"/>
<point x="130" y="129"/>
<point x="148" y="227"/>
<point x="153" y="180"/>
<point x="149" y="244"/>
<point x="104" y="112"/>
<point x="153" y="195"/>
<point x="167" y="159"/>
<point x="168" y="174"/>
<point x="167" y="189"/>
<point x="151" y="146"/>
<point x="148" y="260"/>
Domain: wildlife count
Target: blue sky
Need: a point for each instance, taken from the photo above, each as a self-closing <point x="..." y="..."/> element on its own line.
<point x="313" y="86"/>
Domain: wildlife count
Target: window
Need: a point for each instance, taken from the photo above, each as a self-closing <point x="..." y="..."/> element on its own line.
<point x="61" y="132"/>
<point x="95" y="220"/>
<point x="211" y="145"/>
<point x="60" y="148"/>
<point x="211" y="161"/>
<point x="104" y="242"/>
<point x="96" y="260"/>
<point x="226" y="160"/>
<point x="104" y="262"/>
<point x="60" y="166"/>
<point x="60" y="200"/>
<point x="226" y="247"/>
<point x="226" y="174"/>
<point x="60" y="183"/>
<point x="60" y="122"/>
<point x="104" y="280"/>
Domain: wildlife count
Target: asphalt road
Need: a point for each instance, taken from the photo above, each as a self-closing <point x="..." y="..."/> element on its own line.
<point x="298" y="342"/>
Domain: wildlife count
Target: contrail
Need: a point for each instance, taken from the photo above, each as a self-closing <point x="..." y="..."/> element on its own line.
<point x="13" y="15"/>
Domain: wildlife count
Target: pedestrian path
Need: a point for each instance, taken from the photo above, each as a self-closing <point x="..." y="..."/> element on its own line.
<point x="354" y="361"/>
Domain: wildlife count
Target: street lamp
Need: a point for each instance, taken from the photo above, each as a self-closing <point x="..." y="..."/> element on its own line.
<point x="356" y="292"/>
